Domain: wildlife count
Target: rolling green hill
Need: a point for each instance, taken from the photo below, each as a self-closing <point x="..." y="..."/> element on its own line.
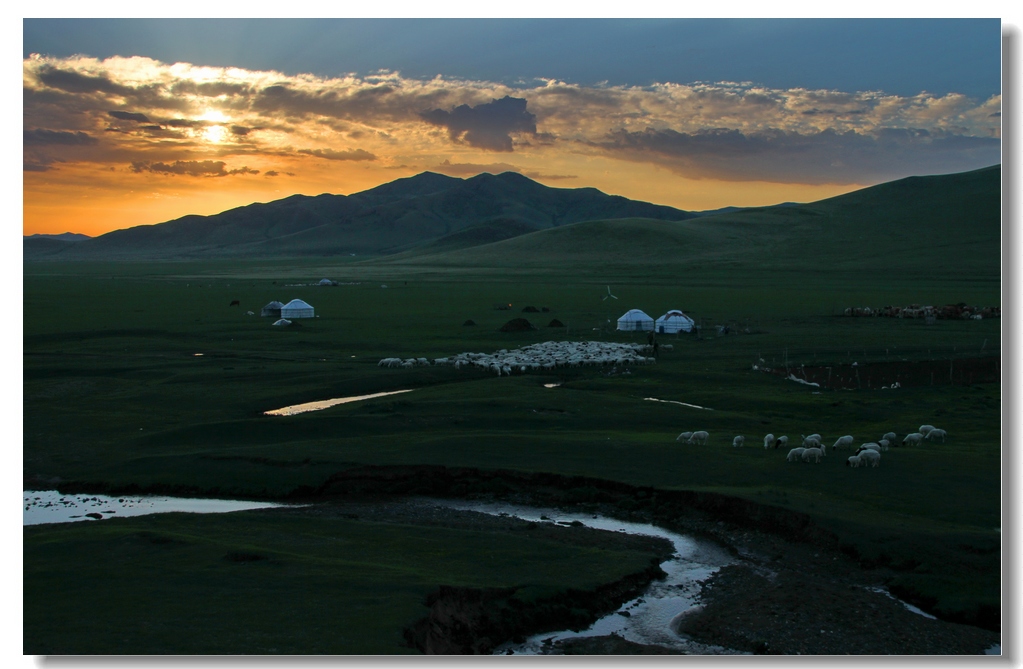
<point x="934" y="224"/>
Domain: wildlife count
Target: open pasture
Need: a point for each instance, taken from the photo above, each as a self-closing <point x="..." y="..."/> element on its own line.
<point x="145" y="376"/>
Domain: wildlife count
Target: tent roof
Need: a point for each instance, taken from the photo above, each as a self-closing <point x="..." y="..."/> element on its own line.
<point x="283" y="321"/>
<point x="325" y="281"/>
<point x="273" y="305"/>
<point x="635" y="315"/>
<point x="297" y="304"/>
<point x="674" y="313"/>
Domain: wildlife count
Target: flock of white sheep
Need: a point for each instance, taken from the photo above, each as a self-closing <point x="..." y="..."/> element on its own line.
<point x="813" y="448"/>
<point x="540" y="357"/>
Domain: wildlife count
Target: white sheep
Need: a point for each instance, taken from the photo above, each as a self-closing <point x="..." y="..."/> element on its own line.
<point x="847" y="440"/>
<point x="768" y="441"/>
<point x="684" y="436"/>
<point x="924" y="429"/>
<point x="738" y="441"/>
<point x="884" y="444"/>
<point x="936" y="433"/>
<point x="813" y="441"/>
<point x="912" y="439"/>
<point x="812" y="453"/>
<point x="870" y="456"/>
<point x="853" y="461"/>
<point x="795" y="454"/>
<point x="699" y="438"/>
<point x="781" y="441"/>
<point x="890" y="436"/>
<point x="871" y="446"/>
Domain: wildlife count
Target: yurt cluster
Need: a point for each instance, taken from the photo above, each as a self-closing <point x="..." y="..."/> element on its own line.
<point x="285" y="313"/>
<point x="672" y="322"/>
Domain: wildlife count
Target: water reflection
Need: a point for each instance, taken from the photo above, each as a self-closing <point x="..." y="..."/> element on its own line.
<point x="49" y="506"/>
<point x="324" y="404"/>
<point x="694" y="406"/>
<point x="650" y="619"/>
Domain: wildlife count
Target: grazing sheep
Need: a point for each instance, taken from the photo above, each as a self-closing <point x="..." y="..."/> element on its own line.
<point x="768" y="441"/>
<point x="795" y="454"/>
<point x="812" y="453"/>
<point x="890" y="436"/>
<point x="912" y="439"/>
<point x="924" y="429"/>
<point x="813" y="441"/>
<point x="781" y="441"/>
<point x="684" y="436"/>
<point x="853" y="461"/>
<point x="936" y="433"/>
<point x="870" y="456"/>
<point x="847" y="440"/>
<point x="699" y="438"/>
<point x="869" y="447"/>
<point x="884" y="444"/>
<point x="738" y="441"/>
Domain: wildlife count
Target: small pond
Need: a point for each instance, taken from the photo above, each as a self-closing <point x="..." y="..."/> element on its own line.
<point x="49" y="506"/>
<point x="324" y="404"/>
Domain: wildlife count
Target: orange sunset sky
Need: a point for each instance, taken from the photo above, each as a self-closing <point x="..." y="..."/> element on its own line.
<point x="129" y="123"/>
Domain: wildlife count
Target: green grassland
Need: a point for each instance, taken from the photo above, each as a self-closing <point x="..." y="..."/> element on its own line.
<point x="142" y="375"/>
<point x="259" y="583"/>
<point x="116" y="395"/>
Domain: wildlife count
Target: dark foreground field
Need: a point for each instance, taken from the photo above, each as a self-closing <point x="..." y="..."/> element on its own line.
<point x="144" y="379"/>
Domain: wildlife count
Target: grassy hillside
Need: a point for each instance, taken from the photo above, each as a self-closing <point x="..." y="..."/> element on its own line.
<point x="922" y="225"/>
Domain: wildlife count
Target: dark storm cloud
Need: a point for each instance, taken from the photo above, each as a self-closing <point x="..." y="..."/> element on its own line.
<point x="356" y="102"/>
<point x="210" y="89"/>
<point x="486" y="126"/>
<point x="43" y="137"/>
<point x="331" y="154"/>
<point x="76" y="82"/>
<point x="818" y="158"/>
<point x="130" y="116"/>
<point x="192" y="168"/>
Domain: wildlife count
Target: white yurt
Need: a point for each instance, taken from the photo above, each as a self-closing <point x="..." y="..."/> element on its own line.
<point x="325" y="282"/>
<point x="297" y="309"/>
<point x="674" y="321"/>
<point x="635" y="320"/>
<point x="272" y="309"/>
<point x="282" y="322"/>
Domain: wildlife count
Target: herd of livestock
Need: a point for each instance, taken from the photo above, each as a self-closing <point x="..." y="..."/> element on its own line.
<point x="545" y="356"/>
<point x="813" y="448"/>
<point x="948" y="312"/>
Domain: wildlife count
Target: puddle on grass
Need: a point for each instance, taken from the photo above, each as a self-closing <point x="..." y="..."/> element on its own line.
<point x="551" y="385"/>
<point x="694" y="406"/>
<point x="324" y="404"/>
<point x="651" y="618"/>
<point x="49" y="506"/>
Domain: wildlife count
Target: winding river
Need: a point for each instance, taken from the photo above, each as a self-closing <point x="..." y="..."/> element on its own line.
<point x="652" y="617"/>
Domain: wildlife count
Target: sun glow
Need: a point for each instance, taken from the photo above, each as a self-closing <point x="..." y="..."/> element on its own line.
<point x="214" y="134"/>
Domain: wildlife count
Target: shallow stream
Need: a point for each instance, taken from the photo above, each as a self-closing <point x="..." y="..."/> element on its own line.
<point x="650" y="618"/>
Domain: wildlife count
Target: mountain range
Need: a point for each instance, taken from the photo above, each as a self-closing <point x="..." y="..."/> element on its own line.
<point x="947" y="221"/>
<point x="396" y="216"/>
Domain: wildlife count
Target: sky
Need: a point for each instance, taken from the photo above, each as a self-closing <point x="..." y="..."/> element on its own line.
<point x="139" y="121"/>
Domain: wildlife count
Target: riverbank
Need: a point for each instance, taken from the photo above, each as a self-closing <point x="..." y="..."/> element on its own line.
<point x="791" y="579"/>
